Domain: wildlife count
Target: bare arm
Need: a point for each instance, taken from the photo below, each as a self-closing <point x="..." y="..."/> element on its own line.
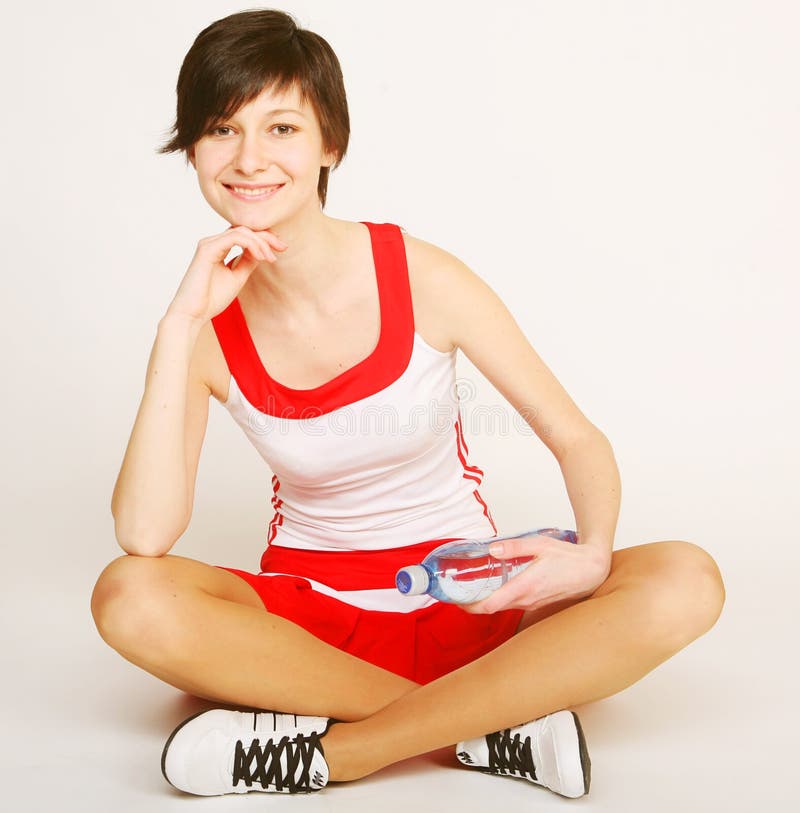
<point x="154" y="492"/>
<point x="490" y="337"/>
<point x="152" y="500"/>
<point x="483" y="328"/>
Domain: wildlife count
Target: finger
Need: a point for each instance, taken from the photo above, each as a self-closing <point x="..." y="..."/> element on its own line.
<point x="266" y="252"/>
<point x="499" y="600"/>
<point x="270" y="250"/>
<point x="266" y="248"/>
<point x="476" y="607"/>
<point x="257" y="249"/>
<point x="274" y="241"/>
<point x="246" y="261"/>
<point x="268" y="241"/>
<point x="218" y="247"/>
<point x="524" y="546"/>
<point x="504" y="598"/>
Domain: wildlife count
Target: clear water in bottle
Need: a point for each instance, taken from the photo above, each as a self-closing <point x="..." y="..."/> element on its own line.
<point x="464" y="571"/>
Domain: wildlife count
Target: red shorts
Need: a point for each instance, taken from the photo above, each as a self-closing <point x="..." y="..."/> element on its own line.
<point x="421" y="645"/>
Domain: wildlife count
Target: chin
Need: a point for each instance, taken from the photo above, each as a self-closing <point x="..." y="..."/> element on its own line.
<point x="253" y="222"/>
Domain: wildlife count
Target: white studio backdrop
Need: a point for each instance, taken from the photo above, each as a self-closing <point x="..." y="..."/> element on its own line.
<point x="624" y="174"/>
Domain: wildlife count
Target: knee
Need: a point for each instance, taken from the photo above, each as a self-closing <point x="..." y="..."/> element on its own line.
<point x="127" y="602"/>
<point x="686" y="592"/>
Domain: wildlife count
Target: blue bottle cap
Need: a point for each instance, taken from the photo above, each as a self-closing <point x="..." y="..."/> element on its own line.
<point x="413" y="580"/>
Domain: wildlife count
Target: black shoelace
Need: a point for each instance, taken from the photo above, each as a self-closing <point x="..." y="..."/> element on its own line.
<point x="262" y="763"/>
<point x="509" y="754"/>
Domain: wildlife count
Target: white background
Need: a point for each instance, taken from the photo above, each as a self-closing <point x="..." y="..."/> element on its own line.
<point x="624" y="174"/>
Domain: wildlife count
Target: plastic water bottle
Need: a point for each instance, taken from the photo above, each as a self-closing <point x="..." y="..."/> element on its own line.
<point x="464" y="571"/>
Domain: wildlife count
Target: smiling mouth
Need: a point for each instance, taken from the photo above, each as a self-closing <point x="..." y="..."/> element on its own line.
<point x="253" y="192"/>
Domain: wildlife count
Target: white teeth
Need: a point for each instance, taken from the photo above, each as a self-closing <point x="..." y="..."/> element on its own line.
<point x="242" y="190"/>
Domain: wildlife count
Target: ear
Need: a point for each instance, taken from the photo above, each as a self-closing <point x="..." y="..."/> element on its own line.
<point x="190" y="156"/>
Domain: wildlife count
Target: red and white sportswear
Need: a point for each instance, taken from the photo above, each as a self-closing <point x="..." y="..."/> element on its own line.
<point x="372" y="460"/>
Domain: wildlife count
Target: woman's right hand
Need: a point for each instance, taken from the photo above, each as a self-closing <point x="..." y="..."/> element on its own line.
<point x="209" y="286"/>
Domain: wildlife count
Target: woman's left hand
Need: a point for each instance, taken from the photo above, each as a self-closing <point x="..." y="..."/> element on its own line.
<point x="561" y="570"/>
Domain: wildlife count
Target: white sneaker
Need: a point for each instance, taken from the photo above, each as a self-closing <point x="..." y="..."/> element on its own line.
<point x="550" y="751"/>
<point x="220" y="751"/>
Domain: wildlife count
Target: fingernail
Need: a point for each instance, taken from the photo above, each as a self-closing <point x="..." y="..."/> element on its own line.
<point x="496" y="549"/>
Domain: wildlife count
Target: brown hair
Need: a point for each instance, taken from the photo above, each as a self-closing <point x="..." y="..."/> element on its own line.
<point x="235" y="58"/>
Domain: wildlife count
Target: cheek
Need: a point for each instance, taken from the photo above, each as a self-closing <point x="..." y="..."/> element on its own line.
<point x="207" y="175"/>
<point x="301" y="162"/>
<point x="208" y="164"/>
<point x="207" y="186"/>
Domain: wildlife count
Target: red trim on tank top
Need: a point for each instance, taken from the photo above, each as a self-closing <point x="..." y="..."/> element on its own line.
<point x="277" y="518"/>
<point x="486" y="512"/>
<point x="470" y="472"/>
<point x="385" y="364"/>
<point x="460" y="431"/>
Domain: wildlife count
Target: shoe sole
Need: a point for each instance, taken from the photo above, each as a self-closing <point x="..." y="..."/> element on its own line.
<point x="586" y="763"/>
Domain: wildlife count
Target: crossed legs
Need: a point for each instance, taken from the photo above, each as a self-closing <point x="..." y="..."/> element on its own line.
<point x="205" y="631"/>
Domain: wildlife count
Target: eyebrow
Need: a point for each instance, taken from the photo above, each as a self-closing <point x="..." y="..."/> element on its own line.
<point x="282" y="110"/>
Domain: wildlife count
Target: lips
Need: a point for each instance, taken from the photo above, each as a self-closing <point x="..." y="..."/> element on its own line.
<point x="250" y="192"/>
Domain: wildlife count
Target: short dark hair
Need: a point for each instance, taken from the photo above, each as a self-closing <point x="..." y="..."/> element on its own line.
<point x="234" y="59"/>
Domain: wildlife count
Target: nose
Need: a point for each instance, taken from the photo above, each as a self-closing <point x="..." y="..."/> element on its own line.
<point x="250" y="157"/>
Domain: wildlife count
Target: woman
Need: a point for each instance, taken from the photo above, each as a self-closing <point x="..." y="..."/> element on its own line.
<point x="316" y="329"/>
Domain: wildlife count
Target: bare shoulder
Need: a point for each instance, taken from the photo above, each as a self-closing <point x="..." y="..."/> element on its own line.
<point x="208" y="363"/>
<point x="476" y="320"/>
<point x="442" y="287"/>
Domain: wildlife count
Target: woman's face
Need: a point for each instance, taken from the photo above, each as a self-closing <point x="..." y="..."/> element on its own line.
<point x="260" y="167"/>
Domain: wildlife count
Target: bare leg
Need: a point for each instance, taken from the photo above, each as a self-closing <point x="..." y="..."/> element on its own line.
<point x="206" y="631"/>
<point x="657" y="599"/>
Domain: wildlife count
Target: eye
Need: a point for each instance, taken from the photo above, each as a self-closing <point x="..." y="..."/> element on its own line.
<point x="220" y="130"/>
<point x="284" y="129"/>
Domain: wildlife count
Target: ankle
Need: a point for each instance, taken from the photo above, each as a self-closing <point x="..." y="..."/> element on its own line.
<point x="344" y="753"/>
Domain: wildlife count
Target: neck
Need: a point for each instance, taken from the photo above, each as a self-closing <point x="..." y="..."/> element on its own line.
<point x="301" y="277"/>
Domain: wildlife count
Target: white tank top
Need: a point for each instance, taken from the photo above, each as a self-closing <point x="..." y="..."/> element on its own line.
<point x="374" y="458"/>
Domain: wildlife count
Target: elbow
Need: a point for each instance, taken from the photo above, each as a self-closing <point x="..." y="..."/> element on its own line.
<point x="149" y="542"/>
<point x="593" y="437"/>
<point x="138" y="535"/>
<point x="146" y="549"/>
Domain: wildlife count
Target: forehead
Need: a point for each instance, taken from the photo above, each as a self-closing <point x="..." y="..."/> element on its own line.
<point x="271" y="100"/>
